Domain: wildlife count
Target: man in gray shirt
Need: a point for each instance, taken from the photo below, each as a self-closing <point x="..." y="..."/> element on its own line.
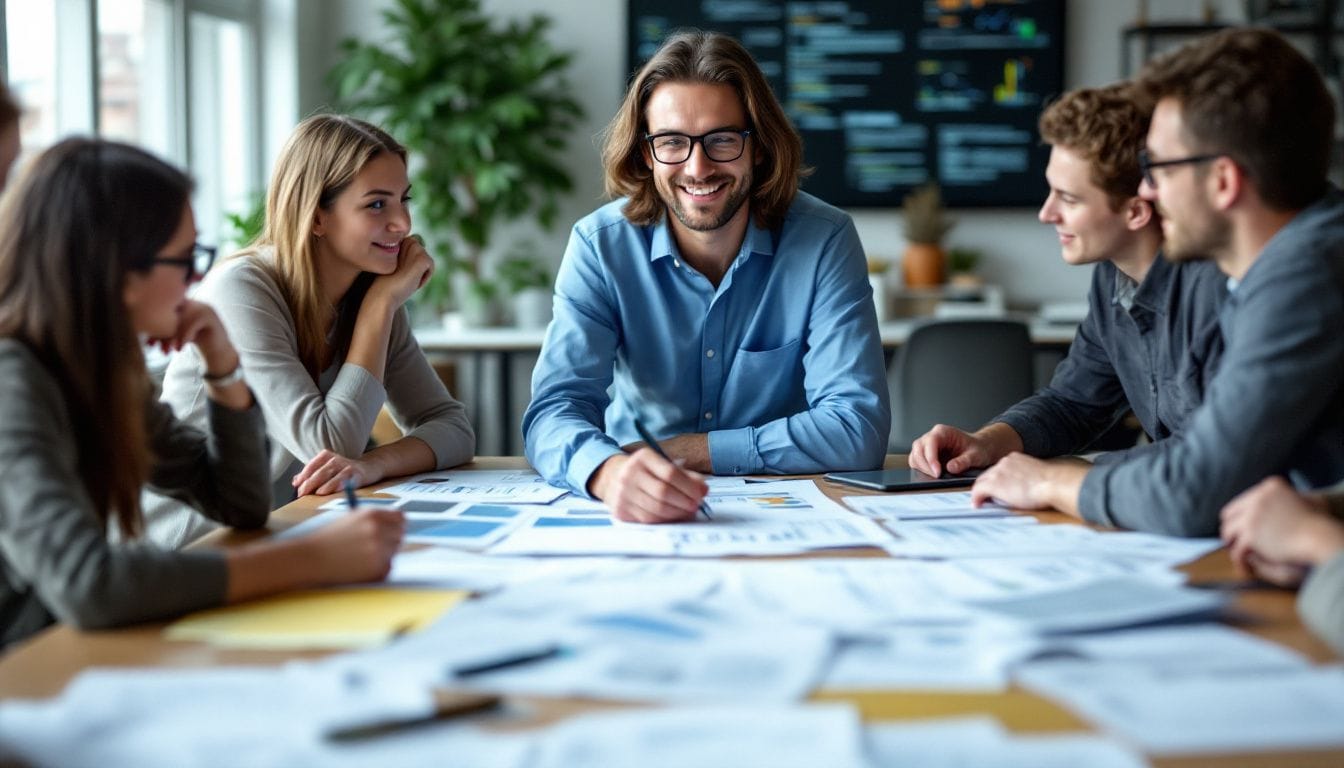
<point x="1150" y="341"/>
<point x="1236" y="159"/>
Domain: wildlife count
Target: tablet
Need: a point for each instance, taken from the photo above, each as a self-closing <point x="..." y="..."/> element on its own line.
<point x="902" y="479"/>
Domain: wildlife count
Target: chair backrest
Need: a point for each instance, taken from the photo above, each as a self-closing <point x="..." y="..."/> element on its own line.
<point x="958" y="372"/>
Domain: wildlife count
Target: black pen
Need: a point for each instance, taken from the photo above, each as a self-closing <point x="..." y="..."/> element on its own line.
<point x="505" y="662"/>
<point x="447" y="705"/>
<point x="647" y="437"/>
<point x="351" y="500"/>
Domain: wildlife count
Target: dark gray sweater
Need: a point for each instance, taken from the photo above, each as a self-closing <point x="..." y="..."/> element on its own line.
<point x="56" y="563"/>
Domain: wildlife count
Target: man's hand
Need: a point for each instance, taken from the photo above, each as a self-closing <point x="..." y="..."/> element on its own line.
<point x="1277" y="533"/>
<point x="1022" y="482"/>
<point x="643" y="487"/>
<point x="961" y="450"/>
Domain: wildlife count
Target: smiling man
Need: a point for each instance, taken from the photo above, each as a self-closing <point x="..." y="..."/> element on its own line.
<point x="1235" y="161"/>
<point x="713" y="300"/>
<point x="1150" y="341"/>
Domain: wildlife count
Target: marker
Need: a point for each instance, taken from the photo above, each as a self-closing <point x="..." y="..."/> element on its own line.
<point x="647" y="437"/>
<point x="351" y="500"/>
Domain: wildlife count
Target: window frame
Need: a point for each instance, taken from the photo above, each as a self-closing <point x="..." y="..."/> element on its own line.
<point x="86" y="73"/>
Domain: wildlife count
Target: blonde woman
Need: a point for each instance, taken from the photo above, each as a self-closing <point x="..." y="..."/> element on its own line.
<point x="315" y="307"/>
<point x="98" y="253"/>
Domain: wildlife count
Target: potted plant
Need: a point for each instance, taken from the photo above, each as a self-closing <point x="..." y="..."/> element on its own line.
<point x="528" y="280"/>
<point x="926" y="223"/>
<point x="484" y="108"/>
<point x="877" y="279"/>
<point x="961" y="266"/>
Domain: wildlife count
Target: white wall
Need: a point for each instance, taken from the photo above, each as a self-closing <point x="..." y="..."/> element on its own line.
<point x="1020" y="253"/>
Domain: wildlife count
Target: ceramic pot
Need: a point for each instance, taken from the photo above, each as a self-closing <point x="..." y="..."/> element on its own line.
<point x="532" y="308"/>
<point x="924" y="265"/>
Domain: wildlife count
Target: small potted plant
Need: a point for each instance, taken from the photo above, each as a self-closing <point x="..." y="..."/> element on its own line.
<point x="877" y="279"/>
<point x="926" y="223"/>
<point x="529" y="280"/>
<point x="961" y="266"/>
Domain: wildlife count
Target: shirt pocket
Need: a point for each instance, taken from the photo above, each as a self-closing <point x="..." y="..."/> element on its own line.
<point x="764" y="385"/>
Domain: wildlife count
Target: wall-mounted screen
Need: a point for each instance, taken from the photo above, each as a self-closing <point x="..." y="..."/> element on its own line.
<point x="890" y="94"/>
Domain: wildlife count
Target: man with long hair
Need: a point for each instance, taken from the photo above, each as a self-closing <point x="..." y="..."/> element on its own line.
<point x="713" y="301"/>
<point x="1235" y="161"/>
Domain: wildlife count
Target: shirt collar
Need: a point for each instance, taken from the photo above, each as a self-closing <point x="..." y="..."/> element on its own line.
<point x="758" y="240"/>
<point x="1148" y="294"/>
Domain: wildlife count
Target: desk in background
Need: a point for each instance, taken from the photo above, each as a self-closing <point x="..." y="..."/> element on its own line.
<point x="43" y="665"/>
<point x="494" y="371"/>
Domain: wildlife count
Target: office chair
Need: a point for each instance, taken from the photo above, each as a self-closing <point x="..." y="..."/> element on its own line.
<point x="958" y="372"/>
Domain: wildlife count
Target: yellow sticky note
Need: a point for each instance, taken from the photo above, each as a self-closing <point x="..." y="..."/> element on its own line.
<point x="325" y="618"/>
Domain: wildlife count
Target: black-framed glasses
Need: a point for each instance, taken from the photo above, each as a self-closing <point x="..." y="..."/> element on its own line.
<point x="198" y="262"/>
<point x="1147" y="164"/>
<point x="719" y="146"/>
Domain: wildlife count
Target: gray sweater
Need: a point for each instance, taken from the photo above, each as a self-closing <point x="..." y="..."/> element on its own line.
<point x="1275" y="406"/>
<point x="304" y="417"/>
<point x="56" y="562"/>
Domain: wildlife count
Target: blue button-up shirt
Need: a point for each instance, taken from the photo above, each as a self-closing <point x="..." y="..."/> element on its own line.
<point x="781" y="364"/>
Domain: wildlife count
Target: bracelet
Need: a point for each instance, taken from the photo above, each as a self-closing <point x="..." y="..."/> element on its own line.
<point x="226" y="379"/>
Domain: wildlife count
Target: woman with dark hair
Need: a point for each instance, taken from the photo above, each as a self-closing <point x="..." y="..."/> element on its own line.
<point x="98" y="252"/>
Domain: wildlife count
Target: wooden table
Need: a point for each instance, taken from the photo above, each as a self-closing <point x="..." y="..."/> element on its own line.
<point x="42" y="665"/>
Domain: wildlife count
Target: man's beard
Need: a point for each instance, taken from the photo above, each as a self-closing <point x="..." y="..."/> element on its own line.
<point x="737" y="195"/>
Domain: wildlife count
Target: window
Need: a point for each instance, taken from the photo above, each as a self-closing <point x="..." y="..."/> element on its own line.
<point x="177" y="77"/>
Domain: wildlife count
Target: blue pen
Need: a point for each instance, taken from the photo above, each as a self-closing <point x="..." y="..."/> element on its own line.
<point x="647" y="437"/>
<point x="351" y="500"/>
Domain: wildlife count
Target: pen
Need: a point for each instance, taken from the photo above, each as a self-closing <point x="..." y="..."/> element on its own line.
<point x="505" y="662"/>
<point x="447" y="705"/>
<point x="351" y="500"/>
<point x="647" y="437"/>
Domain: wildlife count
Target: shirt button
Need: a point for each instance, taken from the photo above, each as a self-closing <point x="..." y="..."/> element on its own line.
<point x="709" y="415"/>
<point x="676" y="263"/>
<point x="709" y="353"/>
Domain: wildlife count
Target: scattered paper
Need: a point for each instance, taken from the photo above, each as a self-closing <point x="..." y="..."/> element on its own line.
<point x="1219" y="711"/>
<point x="478" y="485"/>
<point x="707" y="737"/>
<point x="1105" y="604"/>
<point x="235" y="716"/>
<point x="926" y="506"/>
<point x="982" y="743"/>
